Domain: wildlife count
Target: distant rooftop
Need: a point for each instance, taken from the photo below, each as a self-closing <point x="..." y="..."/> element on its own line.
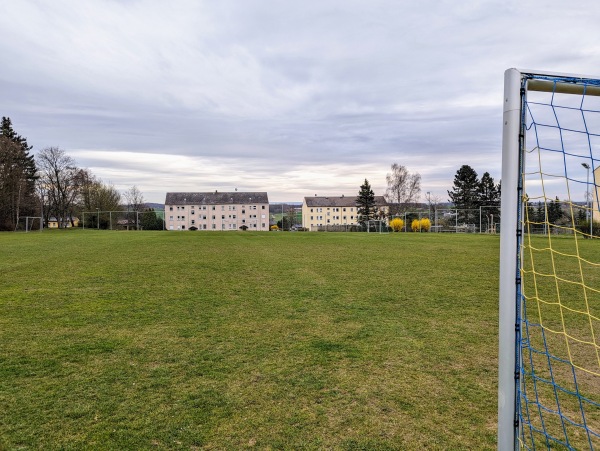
<point x="217" y="198"/>
<point x="339" y="201"/>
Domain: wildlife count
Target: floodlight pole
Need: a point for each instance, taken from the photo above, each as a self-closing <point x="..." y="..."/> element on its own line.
<point x="588" y="214"/>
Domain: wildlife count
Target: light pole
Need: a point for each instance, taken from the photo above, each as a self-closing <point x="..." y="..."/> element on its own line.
<point x="588" y="214"/>
<point x="429" y="202"/>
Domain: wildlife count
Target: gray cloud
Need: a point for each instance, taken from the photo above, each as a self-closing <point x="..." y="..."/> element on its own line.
<point x="292" y="98"/>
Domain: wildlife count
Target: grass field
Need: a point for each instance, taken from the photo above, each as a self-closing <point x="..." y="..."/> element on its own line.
<point x="141" y="340"/>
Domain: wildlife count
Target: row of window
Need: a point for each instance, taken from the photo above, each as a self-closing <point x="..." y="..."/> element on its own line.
<point x="214" y="226"/>
<point x="214" y="207"/>
<point x="334" y="209"/>
<point x="335" y="218"/>
<point x="204" y="217"/>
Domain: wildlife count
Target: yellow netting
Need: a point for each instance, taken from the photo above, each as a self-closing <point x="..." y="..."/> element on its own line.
<point x="559" y="389"/>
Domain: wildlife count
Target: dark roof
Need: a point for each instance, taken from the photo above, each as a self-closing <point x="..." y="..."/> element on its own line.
<point x="217" y="198"/>
<point x="339" y="201"/>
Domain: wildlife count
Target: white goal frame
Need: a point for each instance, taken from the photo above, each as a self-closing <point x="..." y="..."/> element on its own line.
<point x="31" y="219"/>
<point x="516" y="86"/>
<point x="380" y="226"/>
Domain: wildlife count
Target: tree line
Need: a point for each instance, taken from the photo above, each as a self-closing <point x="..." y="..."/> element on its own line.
<point x="52" y="186"/>
<point x="469" y="193"/>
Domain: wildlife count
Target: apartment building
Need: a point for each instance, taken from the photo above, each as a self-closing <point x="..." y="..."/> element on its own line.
<point x="334" y="210"/>
<point x="217" y="211"/>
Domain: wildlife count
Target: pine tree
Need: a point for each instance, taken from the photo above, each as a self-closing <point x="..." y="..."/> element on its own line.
<point x="489" y="197"/>
<point x="555" y="212"/>
<point x="466" y="194"/>
<point x="17" y="177"/>
<point x="365" y="203"/>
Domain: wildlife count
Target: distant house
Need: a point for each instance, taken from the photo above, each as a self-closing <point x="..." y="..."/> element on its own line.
<point x="53" y="222"/>
<point x="217" y="211"/>
<point x="334" y="210"/>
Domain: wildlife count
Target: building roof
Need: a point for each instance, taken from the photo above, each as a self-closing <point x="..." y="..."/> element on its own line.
<point x="217" y="198"/>
<point x="339" y="201"/>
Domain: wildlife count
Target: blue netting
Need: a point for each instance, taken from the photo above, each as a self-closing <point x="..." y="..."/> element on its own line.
<point x="558" y="302"/>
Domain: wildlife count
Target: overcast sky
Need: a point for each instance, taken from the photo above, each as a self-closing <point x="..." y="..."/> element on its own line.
<point x="292" y="98"/>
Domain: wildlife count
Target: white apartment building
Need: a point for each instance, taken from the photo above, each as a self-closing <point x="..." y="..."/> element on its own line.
<point x="334" y="210"/>
<point x="217" y="211"/>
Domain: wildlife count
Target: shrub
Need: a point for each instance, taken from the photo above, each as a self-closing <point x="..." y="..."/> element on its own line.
<point x="397" y="224"/>
<point x="274" y="227"/>
<point x="421" y="225"/>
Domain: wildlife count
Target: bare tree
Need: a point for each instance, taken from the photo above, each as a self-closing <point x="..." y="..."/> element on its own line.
<point x="403" y="188"/>
<point x="61" y="180"/>
<point x="135" y="199"/>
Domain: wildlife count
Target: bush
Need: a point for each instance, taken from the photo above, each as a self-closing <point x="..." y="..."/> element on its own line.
<point x="584" y="227"/>
<point x="421" y="225"/>
<point x="397" y="224"/>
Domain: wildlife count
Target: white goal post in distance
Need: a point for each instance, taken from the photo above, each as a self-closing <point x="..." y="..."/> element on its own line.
<point x="549" y="297"/>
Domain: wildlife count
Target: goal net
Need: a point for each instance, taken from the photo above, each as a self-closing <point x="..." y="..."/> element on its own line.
<point x="376" y="226"/>
<point x="549" y="356"/>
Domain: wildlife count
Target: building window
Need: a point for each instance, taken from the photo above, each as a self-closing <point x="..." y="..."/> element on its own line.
<point x="263" y="207"/>
<point x="182" y="227"/>
<point x="214" y="226"/>
<point x="311" y="218"/>
<point x="170" y="218"/>
<point x="204" y="226"/>
<point x="171" y="208"/>
<point x="263" y="225"/>
<point x="311" y="210"/>
<point x="213" y="217"/>
<point x="213" y="207"/>
<point x="222" y="216"/>
<point x="243" y="212"/>
<point x="193" y="222"/>
<point x="193" y="212"/>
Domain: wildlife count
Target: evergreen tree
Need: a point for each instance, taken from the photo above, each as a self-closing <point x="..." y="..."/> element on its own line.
<point x="489" y="196"/>
<point x="149" y="220"/>
<point x="365" y="203"/>
<point x="465" y="194"/>
<point x="17" y="177"/>
<point x="555" y="212"/>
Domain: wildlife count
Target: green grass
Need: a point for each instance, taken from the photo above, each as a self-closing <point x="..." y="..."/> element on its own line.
<point x="137" y="340"/>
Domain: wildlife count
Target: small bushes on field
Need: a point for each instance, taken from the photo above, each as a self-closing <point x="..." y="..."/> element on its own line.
<point x="397" y="224"/>
<point x="421" y="225"/>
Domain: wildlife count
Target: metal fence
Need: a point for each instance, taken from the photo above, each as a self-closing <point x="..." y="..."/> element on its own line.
<point x="117" y="220"/>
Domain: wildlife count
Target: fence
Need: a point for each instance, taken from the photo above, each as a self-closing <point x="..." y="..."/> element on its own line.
<point x="122" y="220"/>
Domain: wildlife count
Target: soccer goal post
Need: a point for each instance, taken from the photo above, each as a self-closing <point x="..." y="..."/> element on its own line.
<point x="549" y="314"/>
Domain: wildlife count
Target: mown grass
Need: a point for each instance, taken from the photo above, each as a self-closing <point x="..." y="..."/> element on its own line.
<point x="138" y="340"/>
